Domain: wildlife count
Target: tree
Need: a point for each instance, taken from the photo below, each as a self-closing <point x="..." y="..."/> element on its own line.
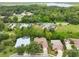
<point x="48" y="35"/>
<point x="20" y="50"/>
<point x="71" y="53"/>
<point x="15" y="19"/>
<point x="5" y="19"/>
<point x="24" y="19"/>
<point x="3" y="36"/>
<point x="2" y="48"/>
<point x="2" y="25"/>
<point x="10" y="20"/>
<point x="59" y="35"/>
<point x="34" y="48"/>
<point x="8" y="43"/>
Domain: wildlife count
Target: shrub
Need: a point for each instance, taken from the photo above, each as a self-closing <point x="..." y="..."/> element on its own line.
<point x="10" y="50"/>
<point x="59" y="35"/>
<point x="48" y="35"/>
<point x="71" y="53"/>
<point x="20" y="50"/>
<point x="15" y="19"/>
<point x="2" y="48"/>
<point x="8" y="43"/>
<point x="5" y="52"/>
<point x="2" y="26"/>
<point x="34" y="48"/>
<point x="3" y="36"/>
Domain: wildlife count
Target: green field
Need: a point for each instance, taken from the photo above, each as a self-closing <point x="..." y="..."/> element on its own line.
<point x="70" y="28"/>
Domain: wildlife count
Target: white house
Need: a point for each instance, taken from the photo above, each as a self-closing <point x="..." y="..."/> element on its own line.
<point x="22" y="41"/>
<point x="29" y="13"/>
<point x="12" y="25"/>
<point x="24" y="25"/>
<point x="48" y="26"/>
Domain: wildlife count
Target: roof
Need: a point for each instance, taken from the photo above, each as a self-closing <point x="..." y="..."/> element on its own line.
<point x="24" y="25"/>
<point x="22" y="41"/>
<point x="76" y="43"/>
<point x="57" y="44"/>
<point x="48" y="25"/>
<point x="29" y="13"/>
<point x="12" y="25"/>
<point x="41" y="41"/>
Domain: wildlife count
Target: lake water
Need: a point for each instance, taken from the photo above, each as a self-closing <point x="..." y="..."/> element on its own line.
<point x="59" y="4"/>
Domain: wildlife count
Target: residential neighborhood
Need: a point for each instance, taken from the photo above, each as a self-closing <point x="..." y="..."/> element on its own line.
<point x="39" y="30"/>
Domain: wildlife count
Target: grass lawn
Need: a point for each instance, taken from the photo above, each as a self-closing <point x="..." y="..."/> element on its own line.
<point x="70" y="28"/>
<point x="7" y="52"/>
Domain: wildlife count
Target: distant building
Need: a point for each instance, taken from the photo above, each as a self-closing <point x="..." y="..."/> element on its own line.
<point x="22" y="41"/>
<point x="29" y="13"/>
<point x="2" y="16"/>
<point x="12" y="26"/>
<point x="23" y="14"/>
<point x="24" y="25"/>
<point x="48" y="26"/>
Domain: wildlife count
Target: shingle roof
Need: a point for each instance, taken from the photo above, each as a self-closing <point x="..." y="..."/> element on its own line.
<point x="76" y="43"/>
<point x="57" y="44"/>
<point x="41" y="41"/>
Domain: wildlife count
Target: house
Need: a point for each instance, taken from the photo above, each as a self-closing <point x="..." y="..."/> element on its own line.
<point x="57" y="46"/>
<point x="48" y="26"/>
<point x="23" y="25"/>
<point x="76" y="43"/>
<point x="43" y="42"/>
<point x="22" y="14"/>
<point x="29" y="13"/>
<point x="2" y="17"/>
<point x="12" y="25"/>
<point x="22" y="41"/>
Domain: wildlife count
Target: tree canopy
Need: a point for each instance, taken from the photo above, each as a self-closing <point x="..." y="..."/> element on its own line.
<point x="42" y="13"/>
